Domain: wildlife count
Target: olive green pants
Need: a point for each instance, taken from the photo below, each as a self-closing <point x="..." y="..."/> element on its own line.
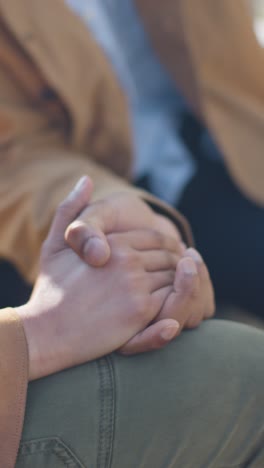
<point x="199" y="403"/>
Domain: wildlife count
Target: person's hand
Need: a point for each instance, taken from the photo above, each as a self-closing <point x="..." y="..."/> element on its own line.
<point x="78" y="313"/>
<point x="119" y="212"/>
<point x="191" y="297"/>
<point x="189" y="302"/>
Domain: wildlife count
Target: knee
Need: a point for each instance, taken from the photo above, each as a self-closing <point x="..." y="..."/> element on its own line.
<point x="229" y="350"/>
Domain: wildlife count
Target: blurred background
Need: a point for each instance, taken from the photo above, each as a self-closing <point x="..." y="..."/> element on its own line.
<point x="258" y="12"/>
<point x="160" y="110"/>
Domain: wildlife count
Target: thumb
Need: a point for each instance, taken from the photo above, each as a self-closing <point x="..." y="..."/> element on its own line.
<point x="155" y="336"/>
<point x="87" y="235"/>
<point x="68" y="210"/>
<point x="89" y="242"/>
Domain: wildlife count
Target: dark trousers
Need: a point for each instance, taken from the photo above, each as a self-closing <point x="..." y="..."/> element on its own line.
<point x="13" y="291"/>
<point x="229" y="233"/>
<point x="195" y="404"/>
<point x="228" y="227"/>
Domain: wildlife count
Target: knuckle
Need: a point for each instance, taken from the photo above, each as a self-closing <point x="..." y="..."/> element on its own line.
<point x="158" y="237"/>
<point x="193" y="290"/>
<point x="165" y="278"/>
<point x="193" y="322"/>
<point x="74" y="231"/>
<point x="169" y="259"/>
<point x="128" y="259"/>
<point x="187" y="289"/>
<point x="194" y="295"/>
<point x="169" y="226"/>
<point x="122" y="256"/>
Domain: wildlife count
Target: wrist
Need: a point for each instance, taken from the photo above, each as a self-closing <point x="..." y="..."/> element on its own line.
<point x="32" y="328"/>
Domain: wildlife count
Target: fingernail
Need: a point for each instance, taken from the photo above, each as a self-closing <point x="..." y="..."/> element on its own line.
<point x="80" y="184"/>
<point x="189" y="267"/>
<point x="194" y="255"/>
<point x="169" y="333"/>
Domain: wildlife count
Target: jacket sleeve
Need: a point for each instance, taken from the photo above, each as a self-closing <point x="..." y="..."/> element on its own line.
<point x="13" y="384"/>
<point x="39" y="165"/>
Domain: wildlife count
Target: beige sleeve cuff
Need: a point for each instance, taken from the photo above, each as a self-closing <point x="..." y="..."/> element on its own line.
<point x="13" y="384"/>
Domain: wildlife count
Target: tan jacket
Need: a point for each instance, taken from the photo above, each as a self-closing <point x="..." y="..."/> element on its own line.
<point x="13" y="385"/>
<point x="63" y="114"/>
<point x="210" y="48"/>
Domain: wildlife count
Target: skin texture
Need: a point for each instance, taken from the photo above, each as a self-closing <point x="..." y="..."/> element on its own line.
<point x="191" y="295"/>
<point x="135" y="303"/>
<point x="119" y="212"/>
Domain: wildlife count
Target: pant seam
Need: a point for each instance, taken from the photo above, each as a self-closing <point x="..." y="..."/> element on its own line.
<point x="106" y="412"/>
<point x="52" y="445"/>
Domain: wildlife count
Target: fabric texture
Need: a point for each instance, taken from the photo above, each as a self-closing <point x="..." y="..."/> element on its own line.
<point x="13" y="384"/>
<point x="234" y="255"/>
<point x="196" y="403"/>
<point x="53" y="130"/>
<point x="154" y="104"/>
<point x="211" y="51"/>
<point x="63" y="113"/>
<point x="59" y="118"/>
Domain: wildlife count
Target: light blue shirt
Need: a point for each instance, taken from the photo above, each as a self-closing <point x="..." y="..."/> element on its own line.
<point x="155" y="106"/>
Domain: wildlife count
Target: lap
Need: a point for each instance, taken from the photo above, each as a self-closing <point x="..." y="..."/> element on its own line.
<point x="196" y="403"/>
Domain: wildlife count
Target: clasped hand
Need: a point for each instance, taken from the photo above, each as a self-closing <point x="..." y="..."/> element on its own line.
<point x="187" y="300"/>
<point x="146" y="289"/>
